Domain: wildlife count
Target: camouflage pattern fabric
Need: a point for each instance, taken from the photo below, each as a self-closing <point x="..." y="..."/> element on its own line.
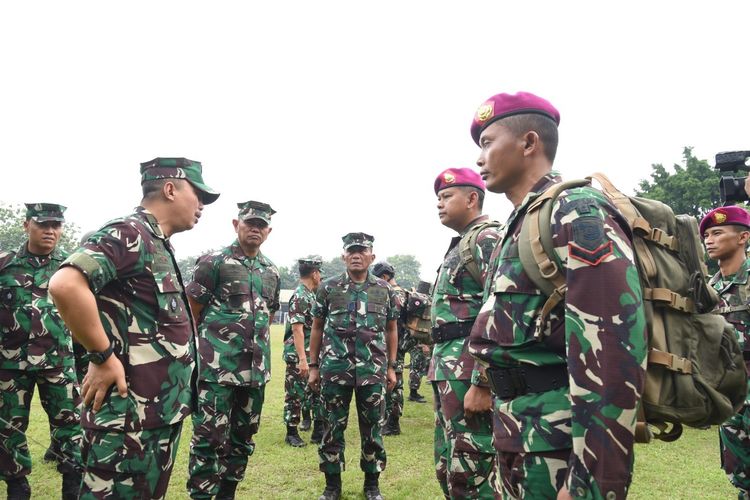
<point x="457" y="298"/>
<point x="240" y="295"/>
<point x="131" y="269"/>
<point x="419" y="365"/>
<point x="60" y="398"/>
<point x="129" y="465"/>
<point x="32" y="334"/>
<point x="464" y="457"/>
<point x="598" y="333"/>
<point x="394" y="399"/>
<point x="534" y="475"/>
<point x="298" y="396"/>
<point x="734" y="434"/>
<point x="370" y="407"/>
<point x="223" y="428"/>
<point x="353" y="350"/>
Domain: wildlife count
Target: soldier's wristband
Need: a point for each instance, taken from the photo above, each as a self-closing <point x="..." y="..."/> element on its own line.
<point x="393" y="364"/>
<point x="313" y="365"/>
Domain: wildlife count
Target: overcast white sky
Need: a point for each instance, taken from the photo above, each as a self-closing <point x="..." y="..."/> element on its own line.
<point x="341" y="114"/>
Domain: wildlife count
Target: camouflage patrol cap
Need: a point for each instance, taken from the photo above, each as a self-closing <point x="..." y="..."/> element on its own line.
<point x="179" y="168"/>
<point x="311" y="262"/>
<point x="357" y="240"/>
<point x="255" y="210"/>
<point x="43" y="212"/>
<point x="382" y="268"/>
<point x="424" y="287"/>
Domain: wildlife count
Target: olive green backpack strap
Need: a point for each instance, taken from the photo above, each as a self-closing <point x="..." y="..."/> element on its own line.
<point x="537" y="252"/>
<point x="467" y="246"/>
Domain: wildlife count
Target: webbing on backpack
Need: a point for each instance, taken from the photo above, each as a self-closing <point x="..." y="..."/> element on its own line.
<point x="468" y="245"/>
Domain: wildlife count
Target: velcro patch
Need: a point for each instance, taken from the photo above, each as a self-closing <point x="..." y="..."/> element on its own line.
<point x="590" y="257"/>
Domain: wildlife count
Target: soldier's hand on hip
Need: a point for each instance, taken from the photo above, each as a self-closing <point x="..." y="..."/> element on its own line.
<point x="313" y="379"/>
<point x="303" y="369"/>
<point x="391" y="379"/>
<point x="99" y="379"/>
<point x="477" y="400"/>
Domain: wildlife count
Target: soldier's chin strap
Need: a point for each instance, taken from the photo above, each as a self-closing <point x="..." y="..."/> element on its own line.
<point x="61" y="459"/>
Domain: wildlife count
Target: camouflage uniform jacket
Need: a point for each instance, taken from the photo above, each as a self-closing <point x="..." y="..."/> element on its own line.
<point x="405" y="340"/>
<point x="598" y="333"/>
<point x="131" y="269"/>
<point x="353" y="350"/>
<point x="733" y="291"/>
<point x="300" y="311"/>
<point x="32" y="334"/>
<point x="457" y="298"/>
<point x="240" y="295"/>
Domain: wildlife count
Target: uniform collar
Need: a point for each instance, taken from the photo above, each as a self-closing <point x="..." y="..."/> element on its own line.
<point x="23" y="252"/>
<point x="151" y="222"/>
<point x="475" y="222"/>
<point x="738" y="278"/>
<point x="239" y="254"/>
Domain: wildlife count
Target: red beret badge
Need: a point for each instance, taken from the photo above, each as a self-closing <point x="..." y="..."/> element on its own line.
<point x="449" y="178"/>
<point x="485" y="111"/>
<point x="720" y="218"/>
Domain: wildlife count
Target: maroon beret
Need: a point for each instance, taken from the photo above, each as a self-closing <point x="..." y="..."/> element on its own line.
<point x="725" y="216"/>
<point x="504" y="105"/>
<point x="451" y="177"/>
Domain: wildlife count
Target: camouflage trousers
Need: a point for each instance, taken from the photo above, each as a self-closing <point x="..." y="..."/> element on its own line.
<point x="533" y="475"/>
<point x="298" y="397"/>
<point x="465" y="463"/>
<point x="394" y="400"/>
<point x="370" y="407"/>
<point x="734" y="440"/>
<point x="60" y="398"/>
<point x="227" y="418"/>
<point x="129" y="465"/>
<point x="419" y="365"/>
<point x="82" y="361"/>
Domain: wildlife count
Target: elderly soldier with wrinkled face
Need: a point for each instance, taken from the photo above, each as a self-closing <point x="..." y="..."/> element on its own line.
<point x="353" y="352"/>
<point x="121" y="294"/>
<point x="36" y="349"/>
<point x="234" y="295"/>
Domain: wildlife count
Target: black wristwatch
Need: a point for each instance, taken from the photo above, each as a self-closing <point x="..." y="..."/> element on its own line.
<point x="100" y="357"/>
<point x="393" y="364"/>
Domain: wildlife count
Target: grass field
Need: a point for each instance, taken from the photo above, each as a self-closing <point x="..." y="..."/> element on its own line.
<point x="687" y="469"/>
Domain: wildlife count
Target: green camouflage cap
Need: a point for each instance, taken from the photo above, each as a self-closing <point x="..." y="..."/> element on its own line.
<point x="313" y="262"/>
<point x="255" y="210"/>
<point x="179" y="168"/>
<point x="357" y="240"/>
<point x="43" y="212"/>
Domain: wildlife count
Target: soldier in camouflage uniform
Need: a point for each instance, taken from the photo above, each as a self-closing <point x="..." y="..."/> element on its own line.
<point x="566" y="389"/>
<point x="354" y="337"/>
<point x="36" y="349"/>
<point x="234" y="296"/>
<point x="726" y="231"/>
<point x="121" y="294"/>
<point x="298" y="395"/>
<point x="419" y="363"/>
<point x="464" y="458"/>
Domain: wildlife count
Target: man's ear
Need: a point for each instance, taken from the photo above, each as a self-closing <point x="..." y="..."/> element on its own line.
<point x="531" y="143"/>
<point x="168" y="190"/>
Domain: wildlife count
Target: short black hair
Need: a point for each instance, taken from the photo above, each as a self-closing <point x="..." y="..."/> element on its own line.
<point x="153" y="187"/>
<point x="480" y="194"/>
<point x="306" y="270"/>
<point x="544" y="126"/>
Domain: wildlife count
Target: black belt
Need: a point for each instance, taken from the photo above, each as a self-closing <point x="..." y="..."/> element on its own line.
<point x="509" y="383"/>
<point x="450" y="331"/>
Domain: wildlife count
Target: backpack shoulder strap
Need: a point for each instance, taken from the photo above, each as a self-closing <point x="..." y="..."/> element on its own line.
<point x="467" y="247"/>
<point x="537" y="253"/>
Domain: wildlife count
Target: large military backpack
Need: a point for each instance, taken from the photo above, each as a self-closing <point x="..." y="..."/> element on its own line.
<point x="467" y="247"/>
<point x="695" y="373"/>
<point x="418" y="314"/>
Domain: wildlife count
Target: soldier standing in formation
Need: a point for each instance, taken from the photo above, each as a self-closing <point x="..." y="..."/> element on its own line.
<point x="122" y="297"/>
<point x="418" y="365"/>
<point x="726" y="232"/>
<point x="394" y="400"/>
<point x="299" y="398"/>
<point x="354" y="338"/>
<point x="36" y="349"/>
<point x="464" y="458"/>
<point x="565" y="390"/>
<point x="234" y="296"/>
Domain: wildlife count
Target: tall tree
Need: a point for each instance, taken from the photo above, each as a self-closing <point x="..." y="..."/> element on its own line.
<point x="407" y="270"/>
<point x="693" y="187"/>
<point x="12" y="234"/>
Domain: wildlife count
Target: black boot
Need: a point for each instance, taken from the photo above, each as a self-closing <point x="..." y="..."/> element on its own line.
<point x="391" y="427"/>
<point x="317" y="432"/>
<point x="292" y="437"/>
<point x="416" y="397"/>
<point x="305" y="425"/>
<point x="372" y="490"/>
<point x="71" y="485"/>
<point x="226" y="490"/>
<point x="333" y="487"/>
<point x="18" y="488"/>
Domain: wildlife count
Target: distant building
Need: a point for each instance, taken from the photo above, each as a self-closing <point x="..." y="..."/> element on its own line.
<point x="283" y="313"/>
